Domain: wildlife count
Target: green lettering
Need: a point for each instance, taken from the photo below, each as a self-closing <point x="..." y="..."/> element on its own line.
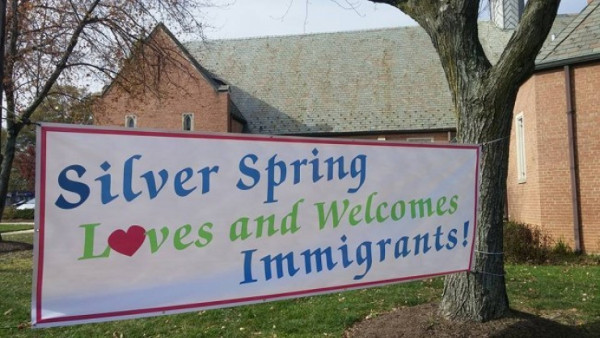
<point x="368" y="217"/>
<point x="260" y="221"/>
<point x="151" y="234"/>
<point x="453" y="204"/>
<point x="353" y="213"/>
<point x="333" y="212"/>
<point x="292" y="219"/>
<point x="380" y="218"/>
<point x="421" y="204"/>
<point x="205" y="235"/>
<point x="88" y="242"/>
<point x="395" y="215"/>
<point x="242" y="233"/>
<point x="178" y="237"/>
<point x="440" y="206"/>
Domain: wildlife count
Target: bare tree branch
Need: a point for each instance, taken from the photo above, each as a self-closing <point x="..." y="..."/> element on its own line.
<point x="63" y="61"/>
<point x="52" y="43"/>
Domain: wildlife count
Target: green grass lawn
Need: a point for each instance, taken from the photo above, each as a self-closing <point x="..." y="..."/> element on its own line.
<point x="4" y="228"/>
<point x="569" y="294"/>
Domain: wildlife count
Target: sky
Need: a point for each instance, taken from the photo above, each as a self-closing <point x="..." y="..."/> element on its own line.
<point x="252" y="18"/>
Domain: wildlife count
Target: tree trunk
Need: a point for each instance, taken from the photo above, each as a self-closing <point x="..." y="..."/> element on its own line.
<point x="7" y="161"/>
<point x="480" y="295"/>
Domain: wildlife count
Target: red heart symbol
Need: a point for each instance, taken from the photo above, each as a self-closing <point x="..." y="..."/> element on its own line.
<point x="128" y="242"/>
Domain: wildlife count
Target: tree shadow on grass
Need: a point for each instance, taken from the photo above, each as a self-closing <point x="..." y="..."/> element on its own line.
<point x="10" y="246"/>
<point x="529" y="325"/>
<point x="423" y="321"/>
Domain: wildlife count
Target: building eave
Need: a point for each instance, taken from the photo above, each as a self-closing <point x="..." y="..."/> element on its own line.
<point x="370" y="132"/>
<point x="565" y="62"/>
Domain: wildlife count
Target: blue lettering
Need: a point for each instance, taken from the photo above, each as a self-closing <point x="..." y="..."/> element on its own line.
<point x="346" y="261"/>
<point x="248" y="171"/>
<point x="205" y="172"/>
<point x="271" y="181"/>
<point x="78" y="188"/>
<point x="315" y="166"/>
<point x="452" y="240"/>
<point x="128" y="177"/>
<point x="330" y="168"/>
<point x="358" y="167"/>
<point x="363" y="256"/>
<point x="180" y="179"/>
<point x="106" y="195"/>
<point x="296" y="165"/>
<point x="248" y="267"/>
<point x="151" y="183"/>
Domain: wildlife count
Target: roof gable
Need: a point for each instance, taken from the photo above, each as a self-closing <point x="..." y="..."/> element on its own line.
<point x="153" y="40"/>
<point x="578" y="42"/>
<point x="217" y="83"/>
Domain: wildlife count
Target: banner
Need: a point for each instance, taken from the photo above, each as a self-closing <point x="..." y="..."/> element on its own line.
<point x="133" y="223"/>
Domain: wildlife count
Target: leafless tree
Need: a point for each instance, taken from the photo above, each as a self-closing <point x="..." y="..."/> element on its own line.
<point x="50" y="42"/>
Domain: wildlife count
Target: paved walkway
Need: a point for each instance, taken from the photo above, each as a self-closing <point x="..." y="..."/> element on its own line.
<point x="19" y="231"/>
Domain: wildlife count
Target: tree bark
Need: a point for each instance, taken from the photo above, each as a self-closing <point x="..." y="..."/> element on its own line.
<point x="480" y="294"/>
<point x="483" y="97"/>
<point x="9" y="156"/>
<point x="13" y="127"/>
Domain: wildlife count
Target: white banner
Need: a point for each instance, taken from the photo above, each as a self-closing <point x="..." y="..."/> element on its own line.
<point x="134" y="223"/>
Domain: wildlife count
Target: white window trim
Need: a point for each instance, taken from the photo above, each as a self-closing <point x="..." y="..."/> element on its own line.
<point x="131" y="116"/>
<point x="420" y="139"/>
<point x="520" y="145"/>
<point x="191" y="115"/>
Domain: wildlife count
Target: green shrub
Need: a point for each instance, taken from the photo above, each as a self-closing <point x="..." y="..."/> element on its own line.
<point x="529" y="244"/>
<point x="525" y="244"/>
<point x="9" y="213"/>
<point x="562" y="249"/>
<point x="13" y="213"/>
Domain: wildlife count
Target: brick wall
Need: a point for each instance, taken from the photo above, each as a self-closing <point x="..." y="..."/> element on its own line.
<point x="587" y="116"/>
<point x="523" y="196"/>
<point x="159" y="89"/>
<point x="545" y="198"/>
<point x="555" y="179"/>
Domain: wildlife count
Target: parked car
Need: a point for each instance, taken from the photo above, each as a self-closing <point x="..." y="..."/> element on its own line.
<point x="30" y="204"/>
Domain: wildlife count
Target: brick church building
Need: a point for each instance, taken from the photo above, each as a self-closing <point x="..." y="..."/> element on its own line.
<point x="385" y="84"/>
<point x="554" y="168"/>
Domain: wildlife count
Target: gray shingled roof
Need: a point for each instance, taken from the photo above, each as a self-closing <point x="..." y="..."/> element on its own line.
<point x="580" y="40"/>
<point x="377" y="80"/>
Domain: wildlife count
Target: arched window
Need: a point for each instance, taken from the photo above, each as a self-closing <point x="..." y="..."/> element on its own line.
<point x="130" y="121"/>
<point x="188" y="121"/>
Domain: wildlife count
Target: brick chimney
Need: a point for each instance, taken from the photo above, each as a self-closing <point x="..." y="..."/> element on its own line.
<point x="506" y="13"/>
